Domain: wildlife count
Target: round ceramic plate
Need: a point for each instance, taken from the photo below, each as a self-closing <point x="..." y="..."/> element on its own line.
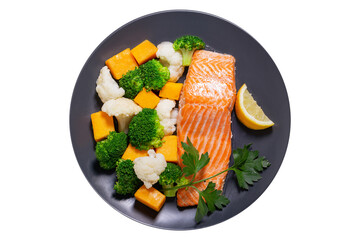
<point x="254" y="67"/>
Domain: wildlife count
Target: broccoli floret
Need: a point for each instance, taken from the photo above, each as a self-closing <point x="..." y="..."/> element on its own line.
<point x="154" y="75"/>
<point x="132" y="83"/>
<point x="169" y="177"/>
<point x="182" y="181"/>
<point x="108" y="151"/>
<point x="127" y="181"/>
<point x="187" y="45"/>
<point x="145" y="130"/>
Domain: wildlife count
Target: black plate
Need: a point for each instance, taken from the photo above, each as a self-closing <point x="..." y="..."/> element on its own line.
<point x="253" y="67"/>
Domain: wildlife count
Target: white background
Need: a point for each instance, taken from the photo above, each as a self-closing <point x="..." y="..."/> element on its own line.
<point x="44" y="44"/>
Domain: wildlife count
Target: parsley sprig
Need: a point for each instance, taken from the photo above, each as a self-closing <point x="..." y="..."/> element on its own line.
<point x="247" y="167"/>
<point x="192" y="163"/>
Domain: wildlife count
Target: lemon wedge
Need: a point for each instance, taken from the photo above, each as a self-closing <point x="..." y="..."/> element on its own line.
<point x="249" y="112"/>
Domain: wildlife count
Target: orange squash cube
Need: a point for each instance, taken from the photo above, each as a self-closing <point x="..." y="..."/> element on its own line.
<point x="171" y="90"/>
<point x="121" y="63"/>
<point x="147" y="99"/>
<point x="144" y="52"/>
<point x="150" y="197"/>
<point x="131" y="153"/>
<point x="169" y="148"/>
<point x="102" y="125"/>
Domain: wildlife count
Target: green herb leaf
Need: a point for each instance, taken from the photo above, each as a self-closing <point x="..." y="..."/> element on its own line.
<point x="241" y="179"/>
<point x="265" y="163"/>
<point x="204" y="160"/>
<point x="201" y="210"/>
<point x="191" y="161"/>
<point x="247" y="166"/>
<point x="241" y="155"/>
<point x="210" y="199"/>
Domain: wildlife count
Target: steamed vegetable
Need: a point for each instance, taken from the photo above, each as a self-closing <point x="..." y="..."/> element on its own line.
<point x="123" y="109"/>
<point x="151" y="75"/>
<point x="110" y="150"/>
<point x="187" y="45"/>
<point x="132" y="153"/>
<point x="169" y="148"/>
<point x="150" y="197"/>
<point x="127" y="181"/>
<point x="147" y="99"/>
<point x="171" y="91"/>
<point x="154" y="75"/>
<point x="121" y="63"/>
<point x="144" y="52"/>
<point x="106" y="87"/>
<point x="145" y="130"/>
<point x="168" y="115"/>
<point x="149" y="168"/>
<point x="171" y="59"/>
<point x="132" y="83"/>
<point x="170" y="177"/>
<point x="102" y="125"/>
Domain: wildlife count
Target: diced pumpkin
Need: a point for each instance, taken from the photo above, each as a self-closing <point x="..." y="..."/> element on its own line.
<point x="144" y="52"/>
<point x="171" y="90"/>
<point x="121" y="63"/>
<point x="150" y="197"/>
<point x="169" y="148"/>
<point x="102" y="125"/>
<point x="131" y="153"/>
<point x="147" y="99"/>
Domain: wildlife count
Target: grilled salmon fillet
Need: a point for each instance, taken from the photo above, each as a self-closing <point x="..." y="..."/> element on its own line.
<point x="210" y="80"/>
<point x="206" y="103"/>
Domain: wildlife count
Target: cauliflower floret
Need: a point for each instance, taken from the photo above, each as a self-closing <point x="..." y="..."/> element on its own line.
<point x="168" y="115"/>
<point x="169" y="126"/>
<point x="171" y="59"/>
<point x="106" y="87"/>
<point x="148" y="169"/>
<point x="174" y="114"/>
<point x="164" y="108"/>
<point x="123" y="109"/>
